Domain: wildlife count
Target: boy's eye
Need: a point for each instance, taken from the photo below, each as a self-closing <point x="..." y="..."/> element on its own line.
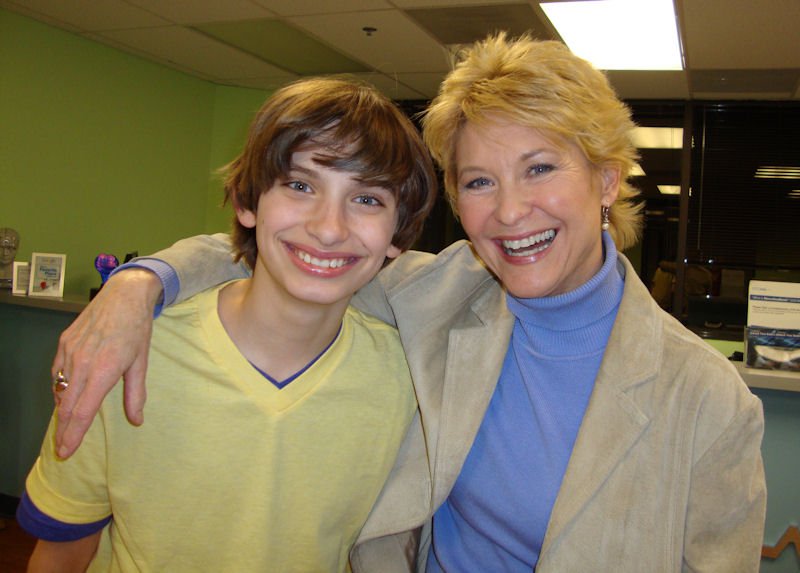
<point x="370" y="200"/>
<point x="298" y="186"/>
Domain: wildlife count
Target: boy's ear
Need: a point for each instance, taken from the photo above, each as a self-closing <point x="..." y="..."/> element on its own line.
<point x="393" y="252"/>
<point x="246" y="217"/>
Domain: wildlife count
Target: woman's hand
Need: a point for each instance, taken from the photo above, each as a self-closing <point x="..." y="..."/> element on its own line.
<point x="109" y="340"/>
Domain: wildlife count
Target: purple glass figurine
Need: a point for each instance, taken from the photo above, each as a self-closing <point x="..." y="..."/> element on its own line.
<point x="104" y="264"/>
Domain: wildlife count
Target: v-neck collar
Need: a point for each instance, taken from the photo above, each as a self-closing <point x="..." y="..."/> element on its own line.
<point x="228" y="357"/>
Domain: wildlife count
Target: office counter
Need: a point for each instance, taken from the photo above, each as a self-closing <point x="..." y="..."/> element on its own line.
<point x="29" y="330"/>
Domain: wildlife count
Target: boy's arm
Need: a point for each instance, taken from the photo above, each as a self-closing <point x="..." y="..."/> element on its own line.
<point x="111" y="337"/>
<point x="63" y="556"/>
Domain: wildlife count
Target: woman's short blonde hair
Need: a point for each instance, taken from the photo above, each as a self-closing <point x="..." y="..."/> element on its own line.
<point x="539" y="84"/>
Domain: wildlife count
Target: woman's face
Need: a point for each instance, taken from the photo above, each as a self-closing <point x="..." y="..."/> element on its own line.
<point x="530" y="207"/>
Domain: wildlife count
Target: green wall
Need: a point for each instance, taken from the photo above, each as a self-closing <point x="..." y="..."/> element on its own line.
<point x="233" y="110"/>
<point x="101" y="151"/>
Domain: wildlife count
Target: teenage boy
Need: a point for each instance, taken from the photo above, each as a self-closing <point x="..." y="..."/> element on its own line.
<point x="277" y="409"/>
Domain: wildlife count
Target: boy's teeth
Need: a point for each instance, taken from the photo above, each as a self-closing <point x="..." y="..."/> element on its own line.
<point x="529" y="245"/>
<point x="324" y="263"/>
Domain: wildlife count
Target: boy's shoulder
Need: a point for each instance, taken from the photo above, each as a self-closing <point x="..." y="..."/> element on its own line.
<point x="190" y="322"/>
<point x="194" y="304"/>
<point x="360" y="320"/>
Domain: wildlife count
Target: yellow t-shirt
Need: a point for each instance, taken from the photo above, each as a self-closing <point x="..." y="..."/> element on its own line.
<point x="229" y="473"/>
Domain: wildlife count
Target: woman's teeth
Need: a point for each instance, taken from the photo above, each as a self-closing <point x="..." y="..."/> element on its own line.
<point x="529" y="245"/>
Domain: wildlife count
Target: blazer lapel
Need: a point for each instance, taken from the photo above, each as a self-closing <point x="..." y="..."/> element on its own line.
<point x="613" y="421"/>
<point x="475" y="354"/>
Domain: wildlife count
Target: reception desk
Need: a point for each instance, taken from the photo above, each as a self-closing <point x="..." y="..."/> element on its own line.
<point x="29" y="330"/>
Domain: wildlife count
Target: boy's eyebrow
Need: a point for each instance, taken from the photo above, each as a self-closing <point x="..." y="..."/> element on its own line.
<point x="307" y="170"/>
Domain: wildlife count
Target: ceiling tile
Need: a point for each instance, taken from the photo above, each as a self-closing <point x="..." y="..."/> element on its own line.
<point x="741" y="34"/>
<point x="266" y="84"/>
<point x="405" y="4"/>
<point x="100" y="15"/>
<point x="283" y="46"/>
<point x="391" y="87"/>
<point x="414" y="52"/>
<point x="426" y="83"/>
<point x="397" y="45"/>
<point x="638" y="84"/>
<point x="146" y="55"/>
<point x="745" y="81"/>
<point x="199" y="11"/>
<point x="47" y="19"/>
<point x="466" y="24"/>
<point x="312" y="7"/>
<point x="195" y="51"/>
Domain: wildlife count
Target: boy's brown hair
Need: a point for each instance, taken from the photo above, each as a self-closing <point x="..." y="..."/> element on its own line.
<point x="357" y="130"/>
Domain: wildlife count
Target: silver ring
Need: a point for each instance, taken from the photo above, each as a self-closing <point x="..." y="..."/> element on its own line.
<point x="60" y="382"/>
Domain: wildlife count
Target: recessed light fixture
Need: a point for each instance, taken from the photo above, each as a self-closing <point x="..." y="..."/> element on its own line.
<point x="669" y="189"/>
<point x="619" y="34"/>
<point x="777" y="172"/>
<point x="657" y="137"/>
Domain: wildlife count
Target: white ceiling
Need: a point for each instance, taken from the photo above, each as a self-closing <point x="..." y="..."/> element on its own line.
<point x="734" y="49"/>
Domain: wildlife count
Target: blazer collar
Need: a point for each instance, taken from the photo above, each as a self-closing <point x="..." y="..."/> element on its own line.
<point x="613" y="421"/>
<point x="477" y="347"/>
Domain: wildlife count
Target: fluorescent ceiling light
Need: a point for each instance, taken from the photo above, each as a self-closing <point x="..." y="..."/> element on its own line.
<point x="619" y="34"/>
<point x="669" y="189"/>
<point x="637" y="171"/>
<point x="777" y="172"/>
<point x="794" y="194"/>
<point x="658" y="137"/>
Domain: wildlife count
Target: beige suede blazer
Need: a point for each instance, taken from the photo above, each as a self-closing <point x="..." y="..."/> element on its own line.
<point x="666" y="473"/>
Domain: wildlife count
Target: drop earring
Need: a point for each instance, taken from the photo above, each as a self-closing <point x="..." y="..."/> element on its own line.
<point x="604" y="222"/>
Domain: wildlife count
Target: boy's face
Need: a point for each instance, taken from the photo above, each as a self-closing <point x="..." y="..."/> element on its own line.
<point x="321" y="234"/>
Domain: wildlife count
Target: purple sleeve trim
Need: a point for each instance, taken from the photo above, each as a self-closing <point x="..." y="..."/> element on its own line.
<point x="32" y="520"/>
<point x="169" y="278"/>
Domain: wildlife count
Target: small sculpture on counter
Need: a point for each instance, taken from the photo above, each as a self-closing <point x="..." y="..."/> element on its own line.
<point x="105" y="264"/>
<point x="9" y="243"/>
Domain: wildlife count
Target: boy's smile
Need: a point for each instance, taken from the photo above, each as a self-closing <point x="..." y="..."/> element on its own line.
<point x="324" y="263"/>
<point x="321" y="233"/>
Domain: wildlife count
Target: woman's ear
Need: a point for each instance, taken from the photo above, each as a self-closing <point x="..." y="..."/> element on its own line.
<point x="609" y="179"/>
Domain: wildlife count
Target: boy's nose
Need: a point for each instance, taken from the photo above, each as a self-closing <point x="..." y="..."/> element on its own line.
<point x="328" y="224"/>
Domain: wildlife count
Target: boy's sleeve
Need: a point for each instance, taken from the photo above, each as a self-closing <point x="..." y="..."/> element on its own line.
<point x="71" y="494"/>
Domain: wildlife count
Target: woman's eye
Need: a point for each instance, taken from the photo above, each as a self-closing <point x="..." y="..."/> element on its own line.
<point x="477" y="184"/>
<point x="541" y="168"/>
<point x="370" y="200"/>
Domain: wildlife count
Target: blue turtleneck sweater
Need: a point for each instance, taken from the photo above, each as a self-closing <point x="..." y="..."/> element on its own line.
<point x="496" y="516"/>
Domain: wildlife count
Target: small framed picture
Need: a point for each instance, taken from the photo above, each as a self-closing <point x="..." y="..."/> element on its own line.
<point x="47" y="274"/>
<point x="21" y="278"/>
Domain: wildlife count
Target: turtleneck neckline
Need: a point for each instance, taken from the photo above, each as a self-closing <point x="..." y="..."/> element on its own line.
<point x="581" y="319"/>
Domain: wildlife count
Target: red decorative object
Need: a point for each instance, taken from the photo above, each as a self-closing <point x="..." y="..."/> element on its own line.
<point x="791" y="535"/>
